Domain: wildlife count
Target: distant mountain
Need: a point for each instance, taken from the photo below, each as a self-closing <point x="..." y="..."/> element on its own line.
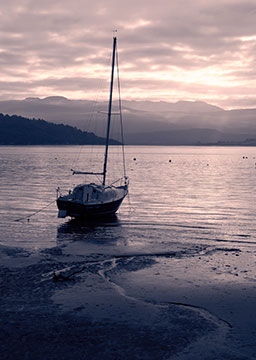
<point x="186" y="137"/>
<point x="180" y="106"/>
<point x="145" y="122"/>
<point x="17" y="130"/>
<point x="246" y="142"/>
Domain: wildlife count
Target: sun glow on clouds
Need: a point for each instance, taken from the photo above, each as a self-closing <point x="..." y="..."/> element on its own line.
<point x="176" y="50"/>
<point x="138" y="24"/>
<point x="248" y="38"/>
<point x="58" y="38"/>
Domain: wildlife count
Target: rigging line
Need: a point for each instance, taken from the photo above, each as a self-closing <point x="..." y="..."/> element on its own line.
<point x="109" y="111"/>
<point x="36" y="212"/>
<point x="120" y="110"/>
<point x="91" y="113"/>
<point x="115" y="161"/>
<point x="92" y="120"/>
<point x="95" y="120"/>
<point x="88" y="120"/>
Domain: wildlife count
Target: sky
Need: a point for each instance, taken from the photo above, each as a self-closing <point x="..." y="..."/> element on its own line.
<point x="169" y="50"/>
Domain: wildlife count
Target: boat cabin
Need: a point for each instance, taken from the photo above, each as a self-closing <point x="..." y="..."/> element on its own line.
<point x="90" y="193"/>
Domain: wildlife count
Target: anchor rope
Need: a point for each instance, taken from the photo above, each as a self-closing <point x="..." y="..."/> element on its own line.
<point x="36" y="212"/>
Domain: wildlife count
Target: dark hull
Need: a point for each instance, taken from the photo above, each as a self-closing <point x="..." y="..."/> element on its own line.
<point x="77" y="210"/>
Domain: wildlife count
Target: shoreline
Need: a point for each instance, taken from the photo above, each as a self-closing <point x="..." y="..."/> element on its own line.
<point x="134" y="145"/>
<point x="181" y="305"/>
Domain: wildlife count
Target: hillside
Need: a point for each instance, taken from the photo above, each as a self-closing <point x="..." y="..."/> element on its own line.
<point x="145" y="122"/>
<point x="17" y="130"/>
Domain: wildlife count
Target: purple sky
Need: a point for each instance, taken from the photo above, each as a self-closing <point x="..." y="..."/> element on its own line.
<point x="168" y="50"/>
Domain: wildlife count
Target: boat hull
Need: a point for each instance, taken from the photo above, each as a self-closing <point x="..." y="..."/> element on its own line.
<point x="79" y="210"/>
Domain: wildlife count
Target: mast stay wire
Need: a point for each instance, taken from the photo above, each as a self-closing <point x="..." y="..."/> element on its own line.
<point x="92" y="114"/>
<point x="90" y="120"/>
<point x="131" y="208"/>
<point x="120" y="110"/>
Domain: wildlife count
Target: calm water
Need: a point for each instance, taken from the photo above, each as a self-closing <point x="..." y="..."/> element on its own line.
<point x="204" y="195"/>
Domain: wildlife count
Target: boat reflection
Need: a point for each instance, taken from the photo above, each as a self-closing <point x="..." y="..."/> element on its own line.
<point x="104" y="230"/>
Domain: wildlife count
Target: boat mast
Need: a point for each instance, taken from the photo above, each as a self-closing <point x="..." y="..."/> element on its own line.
<point x="109" y="111"/>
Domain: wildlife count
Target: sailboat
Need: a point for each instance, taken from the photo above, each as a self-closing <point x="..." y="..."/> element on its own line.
<point x="91" y="200"/>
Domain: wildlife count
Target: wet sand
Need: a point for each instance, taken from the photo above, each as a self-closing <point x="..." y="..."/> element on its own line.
<point x="196" y="302"/>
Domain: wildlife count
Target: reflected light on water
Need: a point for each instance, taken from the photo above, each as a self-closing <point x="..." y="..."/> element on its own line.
<point x="204" y="194"/>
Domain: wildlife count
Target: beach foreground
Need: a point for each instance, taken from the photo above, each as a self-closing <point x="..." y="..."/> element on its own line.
<point x="184" y="304"/>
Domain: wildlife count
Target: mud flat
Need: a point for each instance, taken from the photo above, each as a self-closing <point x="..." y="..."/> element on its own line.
<point x="187" y="303"/>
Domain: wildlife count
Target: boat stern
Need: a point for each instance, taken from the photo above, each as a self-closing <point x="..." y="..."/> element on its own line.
<point x="62" y="214"/>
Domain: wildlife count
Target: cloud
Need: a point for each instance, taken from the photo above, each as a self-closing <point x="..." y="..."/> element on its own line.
<point x="177" y="50"/>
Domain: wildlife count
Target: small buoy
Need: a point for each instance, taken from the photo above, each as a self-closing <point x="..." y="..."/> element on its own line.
<point x="134" y="159"/>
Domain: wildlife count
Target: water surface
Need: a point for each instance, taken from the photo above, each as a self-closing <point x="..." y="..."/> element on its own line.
<point x="183" y="195"/>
